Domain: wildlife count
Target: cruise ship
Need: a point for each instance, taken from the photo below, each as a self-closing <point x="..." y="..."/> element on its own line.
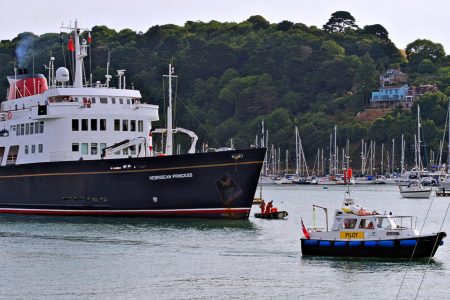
<point x="72" y="147"/>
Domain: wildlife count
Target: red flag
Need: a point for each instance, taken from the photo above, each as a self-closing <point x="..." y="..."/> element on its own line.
<point x="305" y="232"/>
<point x="350" y="173"/>
<point x="70" y="45"/>
<point x="89" y="37"/>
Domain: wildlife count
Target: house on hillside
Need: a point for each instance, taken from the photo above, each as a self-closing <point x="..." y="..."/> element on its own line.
<point x="394" y="91"/>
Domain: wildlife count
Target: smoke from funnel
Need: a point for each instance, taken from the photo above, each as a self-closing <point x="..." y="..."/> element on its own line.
<point x="22" y="51"/>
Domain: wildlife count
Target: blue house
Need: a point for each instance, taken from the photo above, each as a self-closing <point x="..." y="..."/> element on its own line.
<point x="393" y="90"/>
<point x="390" y="96"/>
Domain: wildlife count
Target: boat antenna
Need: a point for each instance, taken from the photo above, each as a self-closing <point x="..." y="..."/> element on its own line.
<point x="415" y="246"/>
<point x="108" y="77"/>
<point x="432" y="251"/>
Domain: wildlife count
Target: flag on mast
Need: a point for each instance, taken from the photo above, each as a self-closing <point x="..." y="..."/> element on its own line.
<point x="70" y="45"/>
<point x="89" y="37"/>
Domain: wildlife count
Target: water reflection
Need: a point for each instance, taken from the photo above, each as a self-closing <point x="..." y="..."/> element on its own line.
<point x="123" y="223"/>
<point x="370" y="264"/>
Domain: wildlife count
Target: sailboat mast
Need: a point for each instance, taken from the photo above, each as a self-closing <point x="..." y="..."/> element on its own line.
<point x="335" y="151"/>
<point x="297" y="154"/>
<point x="393" y="147"/>
<point x="402" y="163"/>
<point x="418" y="139"/>
<point x="448" y="153"/>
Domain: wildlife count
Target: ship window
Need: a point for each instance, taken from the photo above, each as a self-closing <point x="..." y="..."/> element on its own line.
<point x="33" y="148"/>
<point x="349" y="223"/>
<point x="113" y="100"/>
<point x="22" y="129"/>
<point x="18" y="130"/>
<point x="27" y="129"/>
<point x="31" y="128"/>
<point x="26" y="149"/>
<point x="128" y="101"/>
<point x="133" y="125"/>
<point x="75" y="125"/>
<point x="362" y="223"/>
<point x="84" y="124"/>
<point x="93" y="148"/>
<point x="84" y="149"/>
<point x="2" y="152"/>
<point x="125" y="151"/>
<point x="103" y="100"/>
<point x="140" y="126"/>
<point x="94" y="99"/>
<point x="117" y="125"/>
<point x="133" y="150"/>
<point x="41" y="127"/>
<point x="120" y="100"/>
<point x="103" y="124"/>
<point x="125" y="125"/>
<point x="36" y="127"/>
<point x="75" y="147"/>
<point x="102" y="146"/>
<point x="12" y="155"/>
<point x="40" y="148"/>
<point x="93" y="124"/>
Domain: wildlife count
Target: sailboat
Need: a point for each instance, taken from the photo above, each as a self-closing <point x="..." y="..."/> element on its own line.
<point x="415" y="189"/>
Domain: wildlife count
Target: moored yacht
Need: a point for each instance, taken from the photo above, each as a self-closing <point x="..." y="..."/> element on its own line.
<point x="415" y="189"/>
<point x="69" y="146"/>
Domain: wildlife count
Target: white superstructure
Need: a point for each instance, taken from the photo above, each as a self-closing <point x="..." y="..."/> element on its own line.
<point x="64" y="123"/>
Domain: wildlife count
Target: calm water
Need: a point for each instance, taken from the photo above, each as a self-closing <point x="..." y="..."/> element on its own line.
<point x="80" y="258"/>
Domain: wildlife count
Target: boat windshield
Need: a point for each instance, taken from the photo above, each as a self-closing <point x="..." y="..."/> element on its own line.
<point x="386" y="223"/>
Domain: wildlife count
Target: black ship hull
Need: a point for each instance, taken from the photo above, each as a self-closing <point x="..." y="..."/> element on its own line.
<point x="419" y="247"/>
<point x="205" y="185"/>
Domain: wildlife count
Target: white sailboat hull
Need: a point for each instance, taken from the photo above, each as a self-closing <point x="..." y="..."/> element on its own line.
<point x="424" y="193"/>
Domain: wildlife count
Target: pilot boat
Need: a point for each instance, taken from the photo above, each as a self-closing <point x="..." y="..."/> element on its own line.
<point x="71" y="146"/>
<point x="357" y="232"/>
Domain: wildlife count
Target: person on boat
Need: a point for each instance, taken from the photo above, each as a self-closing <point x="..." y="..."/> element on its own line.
<point x="370" y="226"/>
<point x="262" y="206"/>
<point x="269" y="207"/>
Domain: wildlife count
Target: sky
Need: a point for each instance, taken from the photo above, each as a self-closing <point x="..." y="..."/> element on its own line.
<point x="405" y="21"/>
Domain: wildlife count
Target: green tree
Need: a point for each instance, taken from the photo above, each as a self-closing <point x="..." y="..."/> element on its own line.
<point x="366" y="78"/>
<point x="340" y="21"/>
<point x="420" y="49"/>
<point x="376" y="30"/>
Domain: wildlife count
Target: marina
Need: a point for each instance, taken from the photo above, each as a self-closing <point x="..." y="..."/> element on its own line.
<point x="85" y="257"/>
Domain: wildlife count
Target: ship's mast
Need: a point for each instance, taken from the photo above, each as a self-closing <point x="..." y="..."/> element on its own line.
<point x="169" y="132"/>
<point x="80" y="53"/>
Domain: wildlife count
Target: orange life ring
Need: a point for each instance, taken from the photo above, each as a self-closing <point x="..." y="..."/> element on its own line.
<point x="9" y="115"/>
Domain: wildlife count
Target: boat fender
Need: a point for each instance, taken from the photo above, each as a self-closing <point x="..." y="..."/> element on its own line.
<point x="311" y="242"/>
<point x="325" y="243"/>
<point x="386" y="244"/>
<point x="340" y="244"/>
<point x="354" y="244"/>
<point x="408" y="243"/>
<point x="370" y="244"/>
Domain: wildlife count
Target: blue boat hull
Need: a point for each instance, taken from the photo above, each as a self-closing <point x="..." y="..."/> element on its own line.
<point x="424" y="246"/>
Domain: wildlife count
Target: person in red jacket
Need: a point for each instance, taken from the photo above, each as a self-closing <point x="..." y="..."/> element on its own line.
<point x="262" y="206"/>
<point x="269" y="207"/>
